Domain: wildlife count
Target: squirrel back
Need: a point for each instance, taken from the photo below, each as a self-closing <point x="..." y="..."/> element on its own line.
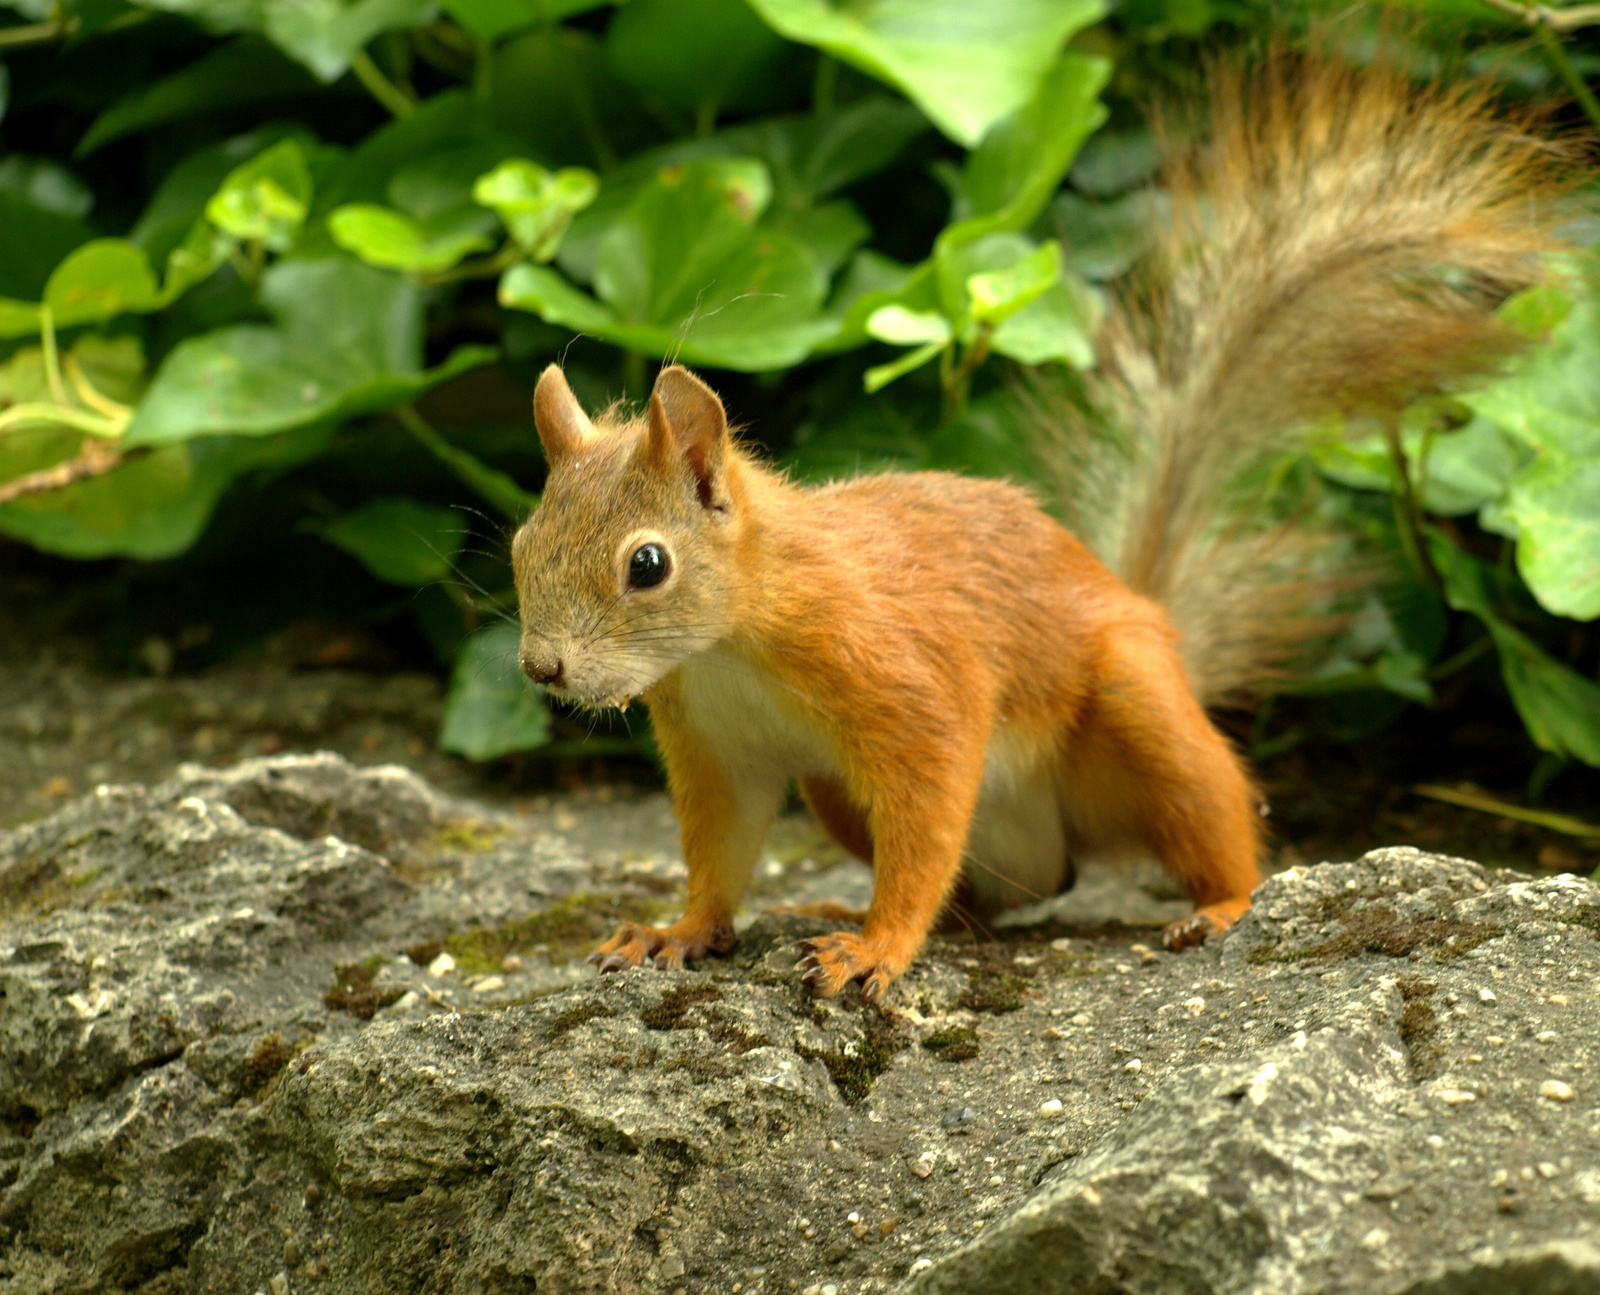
<point x="1337" y="245"/>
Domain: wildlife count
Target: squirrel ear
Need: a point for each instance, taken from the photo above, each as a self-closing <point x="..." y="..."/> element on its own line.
<point x="688" y="424"/>
<point x="563" y="426"/>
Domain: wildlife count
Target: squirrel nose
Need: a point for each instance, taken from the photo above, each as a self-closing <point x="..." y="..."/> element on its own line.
<point x="542" y="673"/>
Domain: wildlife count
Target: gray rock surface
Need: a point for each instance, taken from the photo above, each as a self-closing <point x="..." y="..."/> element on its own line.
<point x="299" y="1027"/>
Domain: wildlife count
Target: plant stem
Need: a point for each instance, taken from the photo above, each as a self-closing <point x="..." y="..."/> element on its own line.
<point x="1407" y="508"/>
<point x="52" y="359"/>
<point x="1461" y="659"/>
<point x="385" y="91"/>
<point x="826" y="85"/>
<point x="37" y="33"/>
<point x="94" y="459"/>
<point x="39" y="414"/>
<point x="1487" y="804"/>
<point x="495" y="486"/>
<point x="1575" y="82"/>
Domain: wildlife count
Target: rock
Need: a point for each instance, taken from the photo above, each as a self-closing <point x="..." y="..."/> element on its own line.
<point x="225" y="1067"/>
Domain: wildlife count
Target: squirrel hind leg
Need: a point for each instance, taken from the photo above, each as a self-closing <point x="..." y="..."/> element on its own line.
<point x="1151" y="768"/>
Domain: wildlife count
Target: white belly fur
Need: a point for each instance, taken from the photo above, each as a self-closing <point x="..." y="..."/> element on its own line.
<point x="758" y="738"/>
<point x="1017" y="846"/>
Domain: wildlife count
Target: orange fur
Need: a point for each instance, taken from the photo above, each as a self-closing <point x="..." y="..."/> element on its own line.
<point x="966" y="695"/>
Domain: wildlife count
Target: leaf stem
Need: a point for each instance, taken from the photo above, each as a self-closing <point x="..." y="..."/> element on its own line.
<point x="495" y="486"/>
<point x="52" y="359"/>
<point x="1408" y="508"/>
<point x="39" y="414"/>
<point x="96" y="400"/>
<point x="385" y="91"/>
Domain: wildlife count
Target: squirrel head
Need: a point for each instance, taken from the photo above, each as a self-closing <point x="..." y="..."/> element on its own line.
<point x="623" y="569"/>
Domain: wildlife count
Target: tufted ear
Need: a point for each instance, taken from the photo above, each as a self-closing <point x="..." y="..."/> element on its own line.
<point x="688" y="425"/>
<point x="563" y="426"/>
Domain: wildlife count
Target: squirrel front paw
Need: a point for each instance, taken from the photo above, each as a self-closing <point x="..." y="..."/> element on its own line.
<point x="830" y="962"/>
<point x="668" y="947"/>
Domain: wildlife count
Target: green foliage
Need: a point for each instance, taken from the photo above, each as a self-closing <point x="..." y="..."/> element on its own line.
<point x="321" y="234"/>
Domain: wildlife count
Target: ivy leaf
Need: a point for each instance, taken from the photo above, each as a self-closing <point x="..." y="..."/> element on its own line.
<point x="493" y="708"/>
<point x="154" y="505"/>
<point x="266" y="199"/>
<point x="535" y="205"/>
<point x="400" y="540"/>
<point x="966" y="65"/>
<point x="383" y="237"/>
<point x="348" y="341"/>
<point x="687" y="270"/>
<point x="1559" y="706"/>
<point x="99" y="280"/>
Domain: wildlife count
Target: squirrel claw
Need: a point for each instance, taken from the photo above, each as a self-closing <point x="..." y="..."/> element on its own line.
<point x="1191" y="932"/>
<point x="831" y="962"/>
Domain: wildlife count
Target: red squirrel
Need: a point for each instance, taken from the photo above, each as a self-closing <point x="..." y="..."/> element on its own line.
<point x="966" y="695"/>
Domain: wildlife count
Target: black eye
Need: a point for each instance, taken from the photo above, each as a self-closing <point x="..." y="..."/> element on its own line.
<point x="647" y="567"/>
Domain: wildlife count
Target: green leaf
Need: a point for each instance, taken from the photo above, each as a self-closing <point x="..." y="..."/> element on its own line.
<point x="36" y="241"/>
<point x="246" y="70"/>
<point x="266" y="199"/>
<point x="535" y="205"/>
<point x="686" y="270"/>
<point x="101" y="279"/>
<point x="1550" y="403"/>
<point x="400" y="540"/>
<point x="46" y="185"/>
<point x="905" y="327"/>
<point x="1101" y="240"/>
<point x="1011" y="175"/>
<point x="807" y="159"/>
<point x="1115" y="161"/>
<point x="966" y="65"/>
<point x="698" y="55"/>
<point x="348" y="341"/>
<point x="1559" y="706"/>
<point x="998" y="294"/>
<point x="154" y="505"/>
<point x="386" y="238"/>
<point x="493" y="709"/>
<point x="1058" y="324"/>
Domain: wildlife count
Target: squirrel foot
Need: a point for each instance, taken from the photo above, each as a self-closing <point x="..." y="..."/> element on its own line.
<point x="830" y="962"/>
<point x="1204" y="923"/>
<point x="668" y="947"/>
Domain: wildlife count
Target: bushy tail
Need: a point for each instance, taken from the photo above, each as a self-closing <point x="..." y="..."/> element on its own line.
<point x="1337" y="244"/>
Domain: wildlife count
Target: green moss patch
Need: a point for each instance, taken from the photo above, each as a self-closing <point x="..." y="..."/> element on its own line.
<point x="954" y="1043"/>
<point x="702" y="1069"/>
<point x="570" y="1020"/>
<point x="855" y="1066"/>
<point x="568" y="928"/>
<point x="269" y="1056"/>
<point x="1368" y="925"/>
<point x="467" y="835"/>
<point x="672" y="1011"/>
<point x="1419" y="1025"/>
<point x="354" y="992"/>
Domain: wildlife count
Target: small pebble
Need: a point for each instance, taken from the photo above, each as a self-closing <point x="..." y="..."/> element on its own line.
<point x="672" y="1265"/>
<point x="1547" y="1170"/>
<point x="1560" y="1000"/>
<point x="1487" y="995"/>
<point x="1556" y="1091"/>
<point x="1050" y="1110"/>
<point x="1139" y="948"/>
<point x="1457" y="1096"/>
<point x="1080" y="1019"/>
<point x="830" y="1288"/>
<point x="1495" y="1041"/>
<point x="888" y="1226"/>
<point x="921" y="1266"/>
<point x="488" y="984"/>
<point x="859" y="1230"/>
<point x="853" y="1217"/>
<point x="1376" y="1239"/>
<point x="1500" y="1179"/>
<point x="511" y="964"/>
<point x="1062" y="945"/>
<point x="1133" y="1067"/>
<point x="1434" y="1141"/>
<point x="443" y="965"/>
<point x="921" y="1168"/>
<point x="995" y="1181"/>
<point x="1194" y="1006"/>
